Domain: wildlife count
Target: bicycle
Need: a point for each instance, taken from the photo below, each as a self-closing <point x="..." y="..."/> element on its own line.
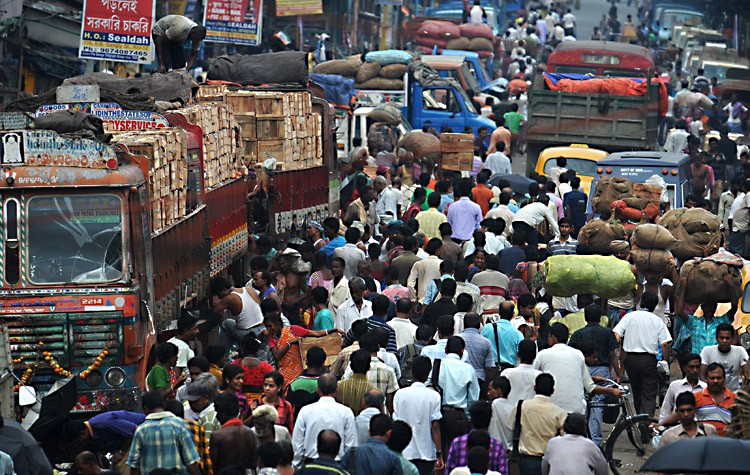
<point x="628" y="422"/>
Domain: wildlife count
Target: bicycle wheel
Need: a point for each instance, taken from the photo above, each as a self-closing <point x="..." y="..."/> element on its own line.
<point x="634" y="436"/>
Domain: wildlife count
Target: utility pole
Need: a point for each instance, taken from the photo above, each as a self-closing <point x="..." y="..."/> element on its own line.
<point x="384" y="11"/>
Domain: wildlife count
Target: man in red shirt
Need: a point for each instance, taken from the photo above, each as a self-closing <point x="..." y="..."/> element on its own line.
<point x="420" y="194"/>
<point x="482" y="193"/>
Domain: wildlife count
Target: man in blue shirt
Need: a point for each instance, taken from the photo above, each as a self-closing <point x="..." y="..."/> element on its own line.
<point x="374" y="457"/>
<point x="503" y="337"/>
<point x="107" y="432"/>
<point x="575" y="203"/>
<point x="510" y="257"/>
<point x="331" y="231"/>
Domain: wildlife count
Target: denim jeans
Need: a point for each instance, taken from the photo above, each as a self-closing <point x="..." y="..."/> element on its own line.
<point x="597" y="413"/>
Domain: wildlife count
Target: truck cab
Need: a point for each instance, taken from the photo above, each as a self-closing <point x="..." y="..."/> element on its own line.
<point x="478" y="71"/>
<point x="643" y="166"/>
<point x="455" y="67"/>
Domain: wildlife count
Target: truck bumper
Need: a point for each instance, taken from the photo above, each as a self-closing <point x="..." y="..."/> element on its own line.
<point x="100" y="400"/>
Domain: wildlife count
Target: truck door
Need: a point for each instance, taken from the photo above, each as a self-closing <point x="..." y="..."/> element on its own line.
<point x="442" y="106"/>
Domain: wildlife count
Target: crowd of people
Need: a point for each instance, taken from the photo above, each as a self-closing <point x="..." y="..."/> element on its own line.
<point x="452" y="358"/>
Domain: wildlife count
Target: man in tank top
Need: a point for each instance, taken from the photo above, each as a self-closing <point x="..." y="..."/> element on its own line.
<point x="243" y="303"/>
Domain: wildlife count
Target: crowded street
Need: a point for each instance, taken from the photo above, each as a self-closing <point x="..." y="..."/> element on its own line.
<point x="476" y="237"/>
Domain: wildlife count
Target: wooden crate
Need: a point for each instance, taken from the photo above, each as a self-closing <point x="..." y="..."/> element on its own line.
<point x="451" y="143"/>
<point x="211" y="92"/>
<point x="241" y="102"/>
<point x="270" y="104"/>
<point x="330" y="343"/>
<point x="248" y="126"/>
<point x="271" y="149"/>
<point x="457" y="161"/>
<point x="267" y="129"/>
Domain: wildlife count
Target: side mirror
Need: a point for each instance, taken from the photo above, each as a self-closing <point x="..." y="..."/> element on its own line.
<point x="26" y="396"/>
<point x="745" y="306"/>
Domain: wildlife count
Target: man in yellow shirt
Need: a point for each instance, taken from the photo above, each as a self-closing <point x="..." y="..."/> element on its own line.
<point x="430" y="220"/>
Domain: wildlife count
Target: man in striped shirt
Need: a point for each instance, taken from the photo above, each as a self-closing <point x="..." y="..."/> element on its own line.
<point x="563" y="245"/>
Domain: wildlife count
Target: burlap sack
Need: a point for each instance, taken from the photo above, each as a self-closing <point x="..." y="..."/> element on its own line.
<point x="367" y="71"/>
<point x="597" y="235"/>
<point x="343" y="67"/>
<point x="652" y="236"/>
<point x="480" y="44"/>
<point x="381" y="84"/>
<point x="705" y="281"/>
<point x="636" y="202"/>
<point x="608" y="190"/>
<point x="651" y="261"/>
<point x="393" y="71"/>
<point x="421" y="144"/>
<point x="695" y="244"/>
<point x="698" y="219"/>
<point x="459" y="43"/>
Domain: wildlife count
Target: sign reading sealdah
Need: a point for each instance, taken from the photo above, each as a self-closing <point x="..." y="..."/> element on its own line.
<point x="117" y="30"/>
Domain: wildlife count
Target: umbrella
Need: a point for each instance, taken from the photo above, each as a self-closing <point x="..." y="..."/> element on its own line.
<point x="28" y="456"/>
<point x="518" y="183"/>
<point x="701" y="455"/>
<point x="48" y="414"/>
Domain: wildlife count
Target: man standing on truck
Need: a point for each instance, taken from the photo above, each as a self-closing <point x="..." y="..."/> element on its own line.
<point x="169" y="34"/>
<point x="243" y="303"/>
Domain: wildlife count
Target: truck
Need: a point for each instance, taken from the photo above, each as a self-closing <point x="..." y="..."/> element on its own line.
<point x="478" y="71"/>
<point x="428" y="99"/>
<point x="105" y="245"/>
<point x="603" y="121"/>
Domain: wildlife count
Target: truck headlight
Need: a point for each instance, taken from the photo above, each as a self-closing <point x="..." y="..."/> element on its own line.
<point x="115" y="377"/>
<point x="94" y="379"/>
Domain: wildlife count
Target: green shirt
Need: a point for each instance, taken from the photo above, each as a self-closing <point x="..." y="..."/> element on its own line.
<point x="158" y="378"/>
<point x="305" y="382"/>
<point x="323" y="320"/>
<point x="512" y="121"/>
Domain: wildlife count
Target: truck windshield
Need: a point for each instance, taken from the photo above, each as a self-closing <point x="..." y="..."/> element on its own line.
<point x="74" y="238"/>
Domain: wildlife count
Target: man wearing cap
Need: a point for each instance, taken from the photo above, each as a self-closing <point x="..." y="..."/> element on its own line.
<point x="187" y="331"/>
<point x="199" y="402"/>
<point x="387" y="201"/>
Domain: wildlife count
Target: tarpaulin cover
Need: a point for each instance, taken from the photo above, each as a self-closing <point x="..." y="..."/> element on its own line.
<point x="74" y="124"/>
<point x="169" y="87"/>
<point x="339" y="91"/>
<point x="129" y="101"/>
<point x="583" y="83"/>
<point x="605" y="276"/>
<point x="285" y="67"/>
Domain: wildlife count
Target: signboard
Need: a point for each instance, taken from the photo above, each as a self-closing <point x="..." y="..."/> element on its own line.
<point x="112" y="115"/>
<point x="45" y="148"/>
<point x="117" y="30"/>
<point x="15" y="120"/>
<point x="70" y="94"/>
<point x="299" y="7"/>
<point x="236" y="22"/>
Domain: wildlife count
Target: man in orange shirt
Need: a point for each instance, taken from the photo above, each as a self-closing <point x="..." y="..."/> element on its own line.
<point x="713" y="404"/>
<point x="501" y="134"/>
<point x="482" y="193"/>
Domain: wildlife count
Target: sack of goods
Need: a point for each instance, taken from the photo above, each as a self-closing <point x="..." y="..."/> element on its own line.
<point x="387" y="114"/>
<point x="704" y="278"/>
<point x="635" y="209"/>
<point x="650" y="255"/>
<point x="652" y="236"/>
<point x="383" y="71"/>
<point x="597" y="235"/>
<point x="605" y="276"/>
<point x="439" y="29"/>
<point x="696" y="231"/>
<point x="609" y="190"/>
<point x="421" y="144"/>
<point x="343" y="67"/>
<point x="388" y="56"/>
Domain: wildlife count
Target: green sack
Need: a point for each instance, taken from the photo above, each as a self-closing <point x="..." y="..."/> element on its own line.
<point x="605" y="276"/>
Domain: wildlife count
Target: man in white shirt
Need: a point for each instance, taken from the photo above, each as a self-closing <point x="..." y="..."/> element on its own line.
<point x="405" y="330"/>
<point x="733" y="358"/>
<point x="419" y="406"/>
<point x="523" y="377"/>
<point x="691" y="368"/>
<point x="387" y="200"/>
<point x="569" y="23"/>
<point x="502" y="211"/>
<point x="187" y="330"/>
<point x="350" y="252"/>
<point x="501" y="427"/>
<point x="640" y="334"/>
<point x="355" y="308"/>
<point x="529" y="217"/>
<point x="498" y="162"/>
<point x="568" y="367"/>
<point x="677" y="139"/>
<point x="477" y="13"/>
<point x="322" y="415"/>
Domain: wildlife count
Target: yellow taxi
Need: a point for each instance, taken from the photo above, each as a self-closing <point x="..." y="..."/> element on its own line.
<point x="580" y="158"/>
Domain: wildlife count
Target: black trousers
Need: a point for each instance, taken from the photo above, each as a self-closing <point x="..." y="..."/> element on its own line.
<point x="644" y="379"/>
<point x="453" y="424"/>
<point x="530" y="465"/>
<point x="174" y="55"/>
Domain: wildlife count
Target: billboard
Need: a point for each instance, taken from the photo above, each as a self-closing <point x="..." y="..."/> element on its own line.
<point x="117" y="30"/>
<point x="299" y="7"/>
<point x="233" y="21"/>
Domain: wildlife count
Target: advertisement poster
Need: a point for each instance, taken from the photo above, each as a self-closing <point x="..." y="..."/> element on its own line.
<point x="233" y="21"/>
<point x="299" y="7"/>
<point x="117" y="30"/>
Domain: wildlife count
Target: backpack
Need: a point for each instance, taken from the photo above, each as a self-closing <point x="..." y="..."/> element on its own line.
<point x="406" y="358"/>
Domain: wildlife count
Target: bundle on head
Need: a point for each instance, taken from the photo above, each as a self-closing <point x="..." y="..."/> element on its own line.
<point x="704" y="281"/>
<point x="608" y="190"/>
<point x="696" y="231"/>
<point x="597" y="235"/>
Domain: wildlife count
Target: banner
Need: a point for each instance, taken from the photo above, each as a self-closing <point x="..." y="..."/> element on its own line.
<point x="117" y="30"/>
<point x="233" y="21"/>
<point x="299" y="7"/>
